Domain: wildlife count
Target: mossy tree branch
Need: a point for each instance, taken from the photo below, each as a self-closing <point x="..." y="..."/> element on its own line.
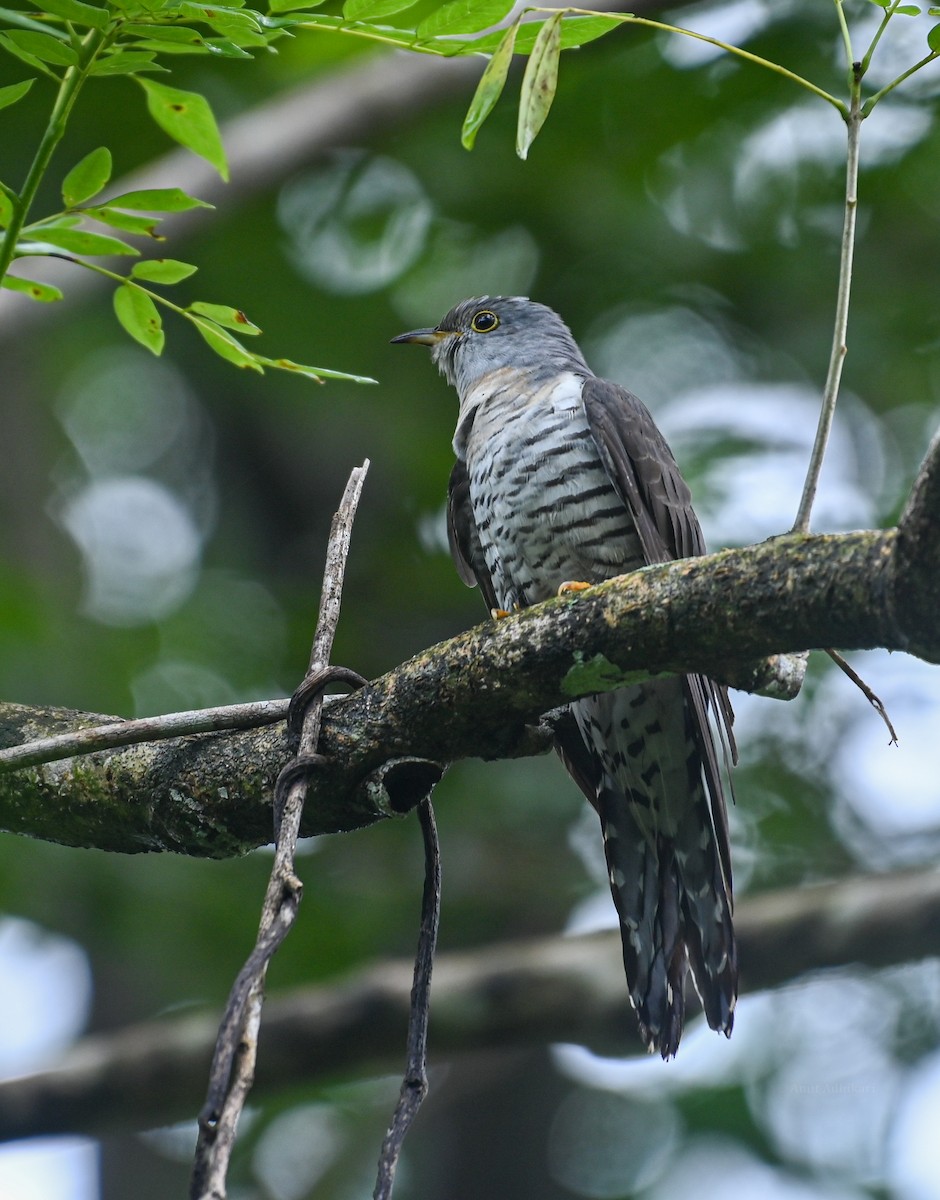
<point x="482" y="694"/>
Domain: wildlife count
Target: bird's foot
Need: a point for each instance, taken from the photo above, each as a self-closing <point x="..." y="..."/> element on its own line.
<point x="498" y="614"/>
<point x="573" y="585"/>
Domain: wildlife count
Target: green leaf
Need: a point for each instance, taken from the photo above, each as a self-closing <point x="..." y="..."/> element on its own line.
<point x="142" y="226"/>
<point x="157" y="200"/>
<point x="317" y="21"/>
<point x="908" y="10"/>
<point x="76" y="12"/>
<point x="539" y="83"/>
<point x="59" y="221"/>
<point x="226" y="346"/>
<point x="9" y="17"/>
<point x="125" y="62"/>
<point x="933" y="39"/>
<point x="213" y="12"/>
<point x="163" y="270"/>
<point x="78" y="241"/>
<point x="195" y="43"/>
<point x="221" y="314"/>
<point x="489" y="88"/>
<point x="463" y="16"/>
<point x="6" y="209"/>
<point x="233" y="48"/>
<point x="233" y="39"/>
<point x="13" y="92"/>
<point x="578" y="30"/>
<point x="139" y="316"/>
<point x="372" y="10"/>
<point x="188" y="119"/>
<point x="29" y="287"/>
<point x="30" y="59"/>
<point x="280" y="6"/>
<point x="317" y="374"/>
<point x="165" y="33"/>
<point x="241" y="26"/>
<point x="147" y="10"/>
<point x="44" y="46"/>
<point x="87" y="178"/>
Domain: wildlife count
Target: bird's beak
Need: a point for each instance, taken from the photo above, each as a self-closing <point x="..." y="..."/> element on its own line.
<point x="422" y="337"/>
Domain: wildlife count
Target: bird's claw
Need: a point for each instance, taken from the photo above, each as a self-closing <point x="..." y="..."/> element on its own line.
<point x="573" y="585"/>
<point x="499" y="613"/>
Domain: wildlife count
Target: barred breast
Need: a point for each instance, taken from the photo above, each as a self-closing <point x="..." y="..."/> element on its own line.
<point x="544" y="507"/>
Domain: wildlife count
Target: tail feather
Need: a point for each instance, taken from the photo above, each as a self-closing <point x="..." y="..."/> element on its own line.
<point x="645" y="758"/>
<point x="668" y="924"/>
<point x="710" y="941"/>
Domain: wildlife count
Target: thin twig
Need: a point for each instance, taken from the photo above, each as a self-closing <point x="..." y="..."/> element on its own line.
<point x="233" y="1063"/>
<point x="853" y="122"/>
<point x="145" y="729"/>
<point x="414" y="1086"/>
<point x="874" y="700"/>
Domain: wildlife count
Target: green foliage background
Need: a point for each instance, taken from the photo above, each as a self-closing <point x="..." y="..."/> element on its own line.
<point x="693" y="203"/>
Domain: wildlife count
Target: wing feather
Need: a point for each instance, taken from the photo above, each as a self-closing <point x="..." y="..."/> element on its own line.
<point x="463" y="536"/>
<point x="641" y="466"/>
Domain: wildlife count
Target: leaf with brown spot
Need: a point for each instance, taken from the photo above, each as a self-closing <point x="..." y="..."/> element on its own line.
<point x="139" y="316"/>
<point x="226" y="346"/>
<point x="222" y="314"/>
<point x="30" y="287"/>
<point x="539" y="83"/>
<point x="188" y="119"/>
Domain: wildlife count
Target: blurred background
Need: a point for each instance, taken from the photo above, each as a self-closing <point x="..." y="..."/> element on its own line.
<point x="161" y="545"/>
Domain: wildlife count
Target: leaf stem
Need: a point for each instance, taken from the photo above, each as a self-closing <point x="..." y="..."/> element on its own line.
<point x="407" y="40"/>
<point x="839" y="348"/>
<point x="883" y="25"/>
<point x="69" y="88"/>
<point x="846" y="38"/>
<point x="131" y="282"/>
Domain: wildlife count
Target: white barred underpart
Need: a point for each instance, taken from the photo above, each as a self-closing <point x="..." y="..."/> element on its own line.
<point x="544" y="507"/>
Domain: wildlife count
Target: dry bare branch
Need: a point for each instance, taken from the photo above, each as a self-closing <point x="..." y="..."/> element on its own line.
<point x="234" y="1058"/>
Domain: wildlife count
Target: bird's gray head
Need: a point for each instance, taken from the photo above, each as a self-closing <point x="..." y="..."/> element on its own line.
<point x="489" y="332"/>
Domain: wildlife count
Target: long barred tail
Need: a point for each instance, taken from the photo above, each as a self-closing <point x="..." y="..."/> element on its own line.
<point x="646" y="759"/>
<point x="675" y="914"/>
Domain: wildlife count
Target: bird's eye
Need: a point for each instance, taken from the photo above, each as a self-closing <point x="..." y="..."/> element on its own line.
<point x="484" y="321"/>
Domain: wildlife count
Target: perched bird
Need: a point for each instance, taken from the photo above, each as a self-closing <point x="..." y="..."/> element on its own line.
<point x="562" y="480"/>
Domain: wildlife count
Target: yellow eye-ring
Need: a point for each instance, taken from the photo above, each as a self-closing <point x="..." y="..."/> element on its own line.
<point x="484" y="321"/>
